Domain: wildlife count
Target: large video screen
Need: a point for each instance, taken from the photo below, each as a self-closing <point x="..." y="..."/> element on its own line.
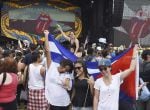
<point x="27" y="21"/>
<point x="136" y="23"/>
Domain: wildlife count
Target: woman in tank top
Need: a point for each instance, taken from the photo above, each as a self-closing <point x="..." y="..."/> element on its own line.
<point x="36" y="93"/>
<point x="82" y="96"/>
<point x="8" y="84"/>
<point x="74" y="42"/>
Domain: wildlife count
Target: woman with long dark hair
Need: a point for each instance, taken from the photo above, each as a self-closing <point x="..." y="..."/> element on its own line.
<point x="82" y="95"/>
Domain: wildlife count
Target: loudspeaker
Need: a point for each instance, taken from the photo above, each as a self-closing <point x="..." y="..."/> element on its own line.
<point x="117" y="12"/>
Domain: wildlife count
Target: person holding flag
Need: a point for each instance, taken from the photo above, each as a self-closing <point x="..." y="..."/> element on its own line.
<point x="59" y="80"/>
<point x="106" y="96"/>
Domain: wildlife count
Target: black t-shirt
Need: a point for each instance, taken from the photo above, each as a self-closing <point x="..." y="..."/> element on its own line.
<point x="81" y="87"/>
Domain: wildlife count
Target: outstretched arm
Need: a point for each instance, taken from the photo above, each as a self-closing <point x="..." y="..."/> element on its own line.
<point x="47" y="48"/>
<point x="132" y="64"/>
<point x="62" y="32"/>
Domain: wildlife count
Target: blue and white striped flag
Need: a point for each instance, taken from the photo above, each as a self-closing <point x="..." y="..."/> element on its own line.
<point x="58" y="52"/>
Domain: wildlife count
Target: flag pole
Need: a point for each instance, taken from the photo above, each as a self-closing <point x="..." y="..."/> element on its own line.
<point x="20" y="45"/>
<point x="137" y="76"/>
<point x="86" y="41"/>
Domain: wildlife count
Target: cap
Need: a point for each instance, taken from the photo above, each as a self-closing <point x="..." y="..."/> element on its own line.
<point x="105" y="62"/>
<point x="93" y="45"/>
<point x="102" y="40"/>
<point x="99" y="48"/>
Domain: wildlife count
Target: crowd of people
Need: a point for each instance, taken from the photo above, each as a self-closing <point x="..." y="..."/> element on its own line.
<point x="24" y="69"/>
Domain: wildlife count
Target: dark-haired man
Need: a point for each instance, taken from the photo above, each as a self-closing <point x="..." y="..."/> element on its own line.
<point x="58" y="80"/>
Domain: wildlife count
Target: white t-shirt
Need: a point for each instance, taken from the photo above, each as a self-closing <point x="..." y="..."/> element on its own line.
<point x="109" y="94"/>
<point x="55" y="93"/>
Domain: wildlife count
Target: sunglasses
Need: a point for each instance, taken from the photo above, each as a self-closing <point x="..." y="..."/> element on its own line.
<point x="103" y="68"/>
<point x="75" y="68"/>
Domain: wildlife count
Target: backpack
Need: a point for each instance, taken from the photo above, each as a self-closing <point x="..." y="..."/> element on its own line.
<point x="145" y="93"/>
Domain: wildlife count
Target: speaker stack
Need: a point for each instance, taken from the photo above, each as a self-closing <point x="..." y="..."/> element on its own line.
<point x="118" y="6"/>
<point x="113" y="12"/>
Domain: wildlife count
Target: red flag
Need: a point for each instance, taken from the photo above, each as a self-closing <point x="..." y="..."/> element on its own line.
<point x="129" y="84"/>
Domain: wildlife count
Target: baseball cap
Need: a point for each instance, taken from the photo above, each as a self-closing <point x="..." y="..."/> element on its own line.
<point x="105" y="62"/>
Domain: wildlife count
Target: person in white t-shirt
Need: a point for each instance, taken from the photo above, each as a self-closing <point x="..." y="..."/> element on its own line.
<point x="58" y="80"/>
<point x="106" y="96"/>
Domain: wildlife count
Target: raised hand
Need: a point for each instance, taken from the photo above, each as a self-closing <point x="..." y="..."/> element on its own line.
<point x="59" y="27"/>
<point x="136" y="46"/>
<point x="46" y="32"/>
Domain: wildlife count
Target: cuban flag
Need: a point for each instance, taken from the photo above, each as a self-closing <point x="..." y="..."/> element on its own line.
<point x="129" y="88"/>
<point x="121" y="62"/>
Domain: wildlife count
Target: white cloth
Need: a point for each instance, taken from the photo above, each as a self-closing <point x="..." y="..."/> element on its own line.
<point x="55" y="93"/>
<point x="109" y="94"/>
<point x="35" y="79"/>
<point x="44" y="62"/>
